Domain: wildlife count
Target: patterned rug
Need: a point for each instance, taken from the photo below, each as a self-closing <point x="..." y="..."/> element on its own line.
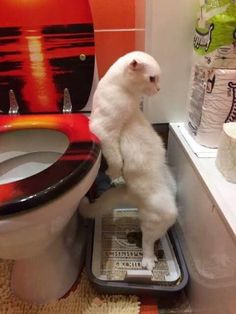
<point x="82" y="300"/>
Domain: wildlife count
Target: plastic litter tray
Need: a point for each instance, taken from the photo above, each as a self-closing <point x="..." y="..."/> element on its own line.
<point x="114" y="257"/>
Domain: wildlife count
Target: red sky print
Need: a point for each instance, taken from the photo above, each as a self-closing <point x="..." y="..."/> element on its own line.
<point x="41" y="42"/>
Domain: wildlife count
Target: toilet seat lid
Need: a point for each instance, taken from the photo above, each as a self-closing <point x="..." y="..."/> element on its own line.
<point x="81" y="154"/>
<point x="46" y="46"/>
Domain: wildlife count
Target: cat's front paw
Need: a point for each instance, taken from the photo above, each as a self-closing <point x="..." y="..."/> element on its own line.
<point x="149" y="262"/>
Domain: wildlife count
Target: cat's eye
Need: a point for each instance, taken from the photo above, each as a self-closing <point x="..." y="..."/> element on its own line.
<point x="152" y="79"/>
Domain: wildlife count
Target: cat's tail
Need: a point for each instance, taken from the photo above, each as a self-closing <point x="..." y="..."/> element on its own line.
<point x="117" y="197"/>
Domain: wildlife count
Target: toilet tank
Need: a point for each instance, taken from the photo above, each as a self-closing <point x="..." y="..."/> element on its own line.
<point x="44" y="49"/>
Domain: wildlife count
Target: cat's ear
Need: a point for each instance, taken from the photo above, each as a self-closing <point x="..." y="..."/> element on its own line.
<point x="136" y="65"/>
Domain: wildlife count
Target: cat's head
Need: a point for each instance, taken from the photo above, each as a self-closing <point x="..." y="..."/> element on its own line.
<point x="143" y="72"/>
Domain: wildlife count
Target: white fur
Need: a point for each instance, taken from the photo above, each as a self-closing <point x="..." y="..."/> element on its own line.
<point x="133" y="149"/>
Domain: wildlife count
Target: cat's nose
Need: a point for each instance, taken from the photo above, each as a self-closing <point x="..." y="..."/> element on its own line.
<point x="158" y="88"/>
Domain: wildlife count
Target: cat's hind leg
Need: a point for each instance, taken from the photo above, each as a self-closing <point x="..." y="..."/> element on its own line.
<point x="157" y="215"/>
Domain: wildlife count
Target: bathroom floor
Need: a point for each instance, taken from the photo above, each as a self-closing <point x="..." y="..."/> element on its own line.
<point x="85" y="300"/>
<point x="174" y="305"/>
<point x="82" y="299"/>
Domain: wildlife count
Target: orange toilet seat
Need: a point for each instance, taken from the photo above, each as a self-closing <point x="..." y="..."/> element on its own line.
<point x="68" y="170"/>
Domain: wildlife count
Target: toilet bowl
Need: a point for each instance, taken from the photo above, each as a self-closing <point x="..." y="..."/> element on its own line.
<point x="47" y="164"/>
<point x="48" y="157"/>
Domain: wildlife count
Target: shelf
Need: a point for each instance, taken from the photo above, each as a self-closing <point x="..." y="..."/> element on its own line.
<point x="222" y="192"/>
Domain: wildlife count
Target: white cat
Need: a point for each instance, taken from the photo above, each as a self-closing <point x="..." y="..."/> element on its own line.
<point x="133" y="149"/>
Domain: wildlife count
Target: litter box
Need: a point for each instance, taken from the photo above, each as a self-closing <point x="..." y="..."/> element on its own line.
<point x="114" y="257"/>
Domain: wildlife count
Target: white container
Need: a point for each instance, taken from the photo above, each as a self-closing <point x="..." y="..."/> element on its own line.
<point x="226" y="155"/>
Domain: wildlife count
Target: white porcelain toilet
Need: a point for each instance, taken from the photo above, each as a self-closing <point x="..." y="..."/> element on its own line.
<point x="48" y="156"/>
<point x="44" y="174"/>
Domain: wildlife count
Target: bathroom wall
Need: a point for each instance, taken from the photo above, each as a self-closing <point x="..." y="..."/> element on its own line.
<point x="119" y="28"/>
<point x="169" y="37"/>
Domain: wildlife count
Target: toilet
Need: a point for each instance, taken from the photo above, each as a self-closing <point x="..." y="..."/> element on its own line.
<point x="48" y="156"/>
